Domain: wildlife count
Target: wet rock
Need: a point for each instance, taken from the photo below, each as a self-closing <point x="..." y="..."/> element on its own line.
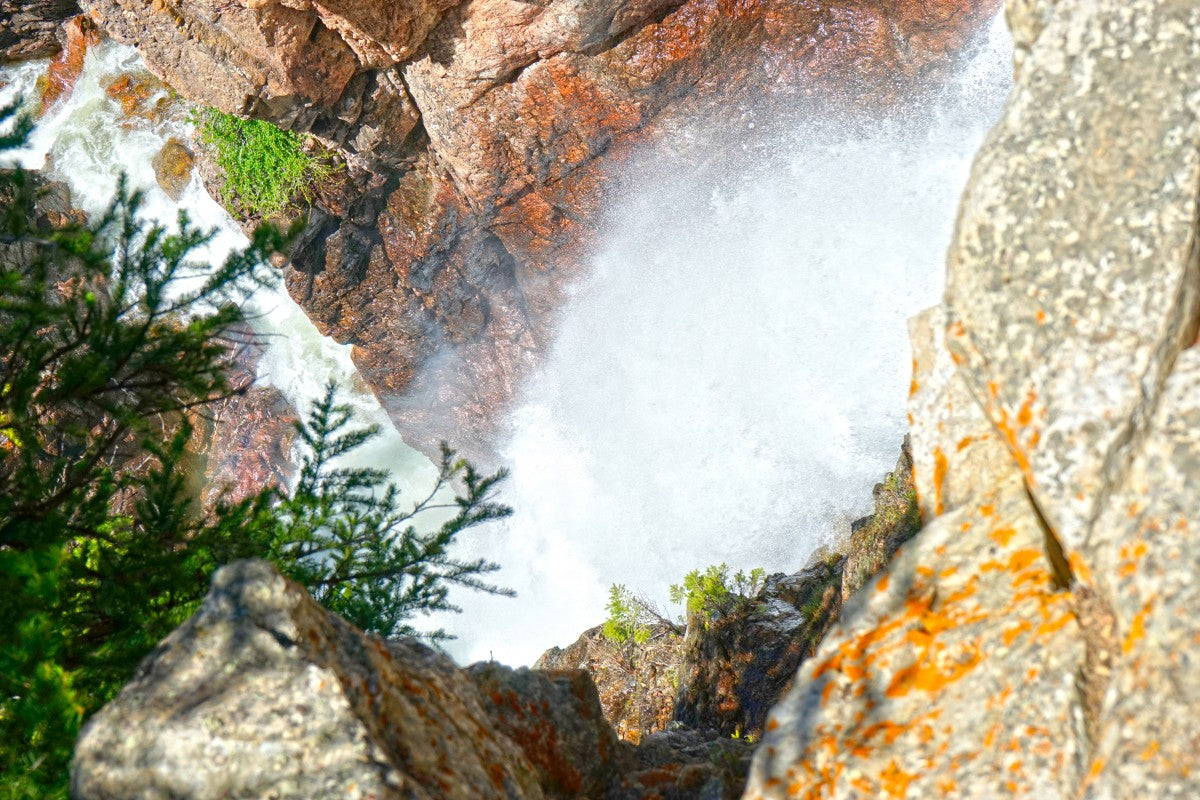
<point x="249" y="445"/>
<point x="637" y="682"/>
<point x="264" y="693"/>
<point x="481" y="138"/>
<point x="173" y="167"/>
<point x="142" y="96"/>
<point x="77" y="35"/>
<point x="556" y="720"/>
<point x="29" y="28"/>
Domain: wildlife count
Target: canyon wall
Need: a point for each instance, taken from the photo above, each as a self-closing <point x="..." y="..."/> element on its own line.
<point x="480" y="138"/>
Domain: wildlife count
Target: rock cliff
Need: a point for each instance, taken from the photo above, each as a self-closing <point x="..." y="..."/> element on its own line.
<point x="1037" y="638"/>
<point x="480" y="137"/>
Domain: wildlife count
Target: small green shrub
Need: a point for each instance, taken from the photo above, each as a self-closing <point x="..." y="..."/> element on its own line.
<point x="265" y="168"/>
<point x="714" y="592"/>
<point x="626" y="617"/>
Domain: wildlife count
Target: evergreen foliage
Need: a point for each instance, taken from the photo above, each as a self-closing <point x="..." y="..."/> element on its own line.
<point x="714" y="592"/>
<point x="111" y="341"/>
<point x="264" y="168"/>
<point x="344" y="535"/>
<point x="629" y="618"/>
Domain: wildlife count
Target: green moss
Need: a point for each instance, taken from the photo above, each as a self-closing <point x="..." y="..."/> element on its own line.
<point x="265" y="169"/>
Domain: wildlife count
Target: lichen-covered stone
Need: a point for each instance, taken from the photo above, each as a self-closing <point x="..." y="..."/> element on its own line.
<point x="951" y="675"/>
<point x="1072" y="280"/>
<point x="263" y="693"/>
<point x="1145" y="550"/>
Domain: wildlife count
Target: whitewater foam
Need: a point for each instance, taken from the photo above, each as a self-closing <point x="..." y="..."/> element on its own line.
<point x="731" y="380"/>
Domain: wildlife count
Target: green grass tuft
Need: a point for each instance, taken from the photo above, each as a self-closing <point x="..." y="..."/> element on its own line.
<point x="266" y="170"/>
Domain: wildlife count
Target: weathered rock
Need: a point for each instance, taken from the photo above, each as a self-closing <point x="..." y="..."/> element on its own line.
<point x="249" y="445"/>
<point x="1091" y="176"/>
<point x="953" y="674"/>
<point x="29" y="28"/>
<point x="142" y="96"/>
<point x="264" y="693"/>
<point x="556" y="720"/>
<point x="173" y="167"/>
<point x="482" y="136"/>
<point x="637" y="682"/>
<point x="77" y="35"/>
<point x="1144" y="555"/>
<point x="737" y="665"/>
<point x="683" y="765"/>
<point x="875" y="539"/>
<point x="1054" y="431"/>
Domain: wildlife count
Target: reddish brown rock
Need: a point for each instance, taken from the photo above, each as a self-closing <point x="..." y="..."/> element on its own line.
<point x="636" y="681"/>
<point x="481" y="138"/>
<point x="173" y="167"/>
<point x="77" y="35"/>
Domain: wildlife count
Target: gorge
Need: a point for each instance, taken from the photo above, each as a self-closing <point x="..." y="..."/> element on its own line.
<point x="655" y="258"/>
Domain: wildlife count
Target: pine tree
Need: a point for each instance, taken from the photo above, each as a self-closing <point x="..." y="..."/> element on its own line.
<point x="111" y="338"/>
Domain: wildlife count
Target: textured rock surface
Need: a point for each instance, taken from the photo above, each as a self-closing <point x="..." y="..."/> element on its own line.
<point x="875" y="539"/>
<point x="637" y="683"/>
<point x="737" y="665"/>
<point x="29" y="28"/>
<point x="951" y="675"/>
<point x="264" y="693"/>
<point x="1054" y="417"/>
<point x="481" y="137"/>
<point x="556" y="720"/>
<point x="173" y="167"/>
<point x="76" y="35"/>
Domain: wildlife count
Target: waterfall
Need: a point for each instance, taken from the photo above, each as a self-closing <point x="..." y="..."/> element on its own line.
<point x="731" y="381"/>
<point x="727" y="384"/>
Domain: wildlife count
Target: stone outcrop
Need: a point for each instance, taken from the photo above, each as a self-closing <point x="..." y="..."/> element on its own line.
<point x="30" y="28"/>
<point x="721" y="678"/>
<point x="736" y="666"/>
<point x="76" y="35"/>
<point x="1036" y="638"/>
<point x="264" y="693"/>
<point x="481" y="137"/>
<point x="637" y="682"/>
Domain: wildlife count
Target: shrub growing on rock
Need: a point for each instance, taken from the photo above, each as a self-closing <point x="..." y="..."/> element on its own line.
<point x="264" y="169"/>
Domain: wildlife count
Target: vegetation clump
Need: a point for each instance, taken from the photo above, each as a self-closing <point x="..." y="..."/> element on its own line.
<point x="265" y="169"/>
<point x="704" y="594"/>
<point x="112" y="340"/>
<point x="714" y="592"/>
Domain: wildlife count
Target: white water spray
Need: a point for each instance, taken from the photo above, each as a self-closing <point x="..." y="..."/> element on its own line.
<point x="731" y="381"/>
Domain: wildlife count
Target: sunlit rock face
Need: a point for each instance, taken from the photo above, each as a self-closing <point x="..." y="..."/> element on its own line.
<point x="481" y="138"/>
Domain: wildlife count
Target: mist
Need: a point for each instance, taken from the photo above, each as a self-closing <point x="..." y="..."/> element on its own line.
<point x="730" y="381"/>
